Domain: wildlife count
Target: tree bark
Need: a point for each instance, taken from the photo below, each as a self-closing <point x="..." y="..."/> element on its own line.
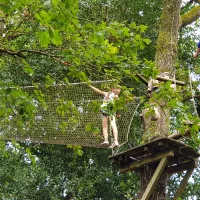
<point x="168" y="36"/>
<point x="190" y="16"/>
<point x="160" y="189"/>
<point x="165" y="61"/>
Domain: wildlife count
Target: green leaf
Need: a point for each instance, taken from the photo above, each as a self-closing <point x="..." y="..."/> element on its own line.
<point x="43" y="17"/>
<point x="49" y="81"/>
<point x="55" y="2"/>
<point x="44" y="38"/>
<point x="29" y="70"/>
<point x="78" y="150"/>
<point x="57" y="38"/>
<point x="147" y="41"/>
<point x="133" y="25"/>
<point x="143" y="28"/>
<point x="69" y="146"/>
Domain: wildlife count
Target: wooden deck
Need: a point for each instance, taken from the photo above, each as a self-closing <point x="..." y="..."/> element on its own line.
<point x="180" y="156"/>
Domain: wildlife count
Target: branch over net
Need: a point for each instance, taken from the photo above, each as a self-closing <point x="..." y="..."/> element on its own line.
<point x="59" y="114"/>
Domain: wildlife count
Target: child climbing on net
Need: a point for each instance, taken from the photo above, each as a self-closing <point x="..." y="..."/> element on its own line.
<point x="108" y="114"/>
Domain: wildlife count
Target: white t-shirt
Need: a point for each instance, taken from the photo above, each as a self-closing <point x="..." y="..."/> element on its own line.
<point x="108" y="98"/>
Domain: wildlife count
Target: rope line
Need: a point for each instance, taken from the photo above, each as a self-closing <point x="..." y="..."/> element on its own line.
<point x="192" y="93"/>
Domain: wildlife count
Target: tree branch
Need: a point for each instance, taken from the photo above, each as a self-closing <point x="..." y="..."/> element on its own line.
<point x="14" y="36"/>
<point x="190" y="16"/>
<point x="12" y="53"/>
<point x="21" y="54"/>
<point x="41" y="53"/>
<point x="177" y="136"/>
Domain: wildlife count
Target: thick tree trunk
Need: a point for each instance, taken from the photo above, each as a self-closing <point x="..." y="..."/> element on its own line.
<point x="168" y="36"/>
<point x="160" y="189"/>
<point x="165" y="61"/>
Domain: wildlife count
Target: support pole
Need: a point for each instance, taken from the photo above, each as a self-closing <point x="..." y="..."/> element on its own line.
<point x="183" y="184"/>
<point x="154" y="179"/>
<point x="160" y="78"/>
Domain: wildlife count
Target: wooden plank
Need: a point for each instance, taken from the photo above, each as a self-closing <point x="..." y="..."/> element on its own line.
<point x="178" y="160"/>
<point x="141" y="152"/>
<point x="183" y="184"/>
<point x="138" y="149"/>
<point x="182" y="167"/>
<point x="182" y="150"/>
<point x="146" y="161"/>
<point x="127" y="158"/>
<point x="161" y="78"/>
<point x="154" y="179"/>
<point x="158" y="145"/>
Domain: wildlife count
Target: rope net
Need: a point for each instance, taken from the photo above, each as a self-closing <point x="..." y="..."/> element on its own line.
<point x="59" y="114"/>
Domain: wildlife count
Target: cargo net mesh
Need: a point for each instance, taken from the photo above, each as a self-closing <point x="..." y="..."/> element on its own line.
<point x="59" y="114"/>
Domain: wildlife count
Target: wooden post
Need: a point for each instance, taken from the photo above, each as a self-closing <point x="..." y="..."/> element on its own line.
<point x="155" y="178"/>
<point x="183" y="184"/>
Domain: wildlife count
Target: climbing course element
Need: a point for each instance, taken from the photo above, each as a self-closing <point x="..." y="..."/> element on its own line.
<point x="59" y="114"/>
<point x="164" y="155"/>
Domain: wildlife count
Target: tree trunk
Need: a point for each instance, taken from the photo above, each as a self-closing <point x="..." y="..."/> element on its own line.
<point x="160" y="189"/>
<point x="165" y="61"/>
<point x="168" y="36"/>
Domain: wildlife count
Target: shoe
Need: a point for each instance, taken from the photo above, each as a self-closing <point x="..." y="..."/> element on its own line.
<point x="113" y="145"/>
<point x="105" y="143"/>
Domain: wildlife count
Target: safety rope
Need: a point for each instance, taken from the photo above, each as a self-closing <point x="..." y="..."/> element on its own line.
<point x="192" y="93"/>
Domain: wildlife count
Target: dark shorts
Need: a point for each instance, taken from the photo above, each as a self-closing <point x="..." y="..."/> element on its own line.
<point x="199" y="45"/>
<point x="104" y="114"/>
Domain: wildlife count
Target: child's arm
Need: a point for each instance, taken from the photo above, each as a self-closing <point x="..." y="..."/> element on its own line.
<point x="197" y="51"/>
<point x="97" y="90"/>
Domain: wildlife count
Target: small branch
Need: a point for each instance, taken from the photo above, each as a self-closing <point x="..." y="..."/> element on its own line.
<point x="54" y="57"/>
<point x="41" y="53"/>
<point x="12" y="53"/>
<point x="14" y="36"/>
<point x="177" y="136"/>
<point x="22" y="55"/>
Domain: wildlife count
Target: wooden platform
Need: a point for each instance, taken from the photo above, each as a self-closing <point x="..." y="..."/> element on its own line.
<point x="180" y="156"/>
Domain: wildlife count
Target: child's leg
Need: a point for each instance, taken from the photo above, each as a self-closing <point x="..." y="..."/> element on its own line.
<point x="114" y="129"/>
<point x="105" y="128"/>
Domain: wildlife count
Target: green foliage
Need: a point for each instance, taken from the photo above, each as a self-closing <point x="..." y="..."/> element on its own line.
<point x="17" y="103"/>
<point x="63" y="41"/>
<point x="92" y="128"/>
<point x="49" y="81"/>
<point x="77" y="149"/>
<point x="59" y="173"/>
<point x="67" y="108"/>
